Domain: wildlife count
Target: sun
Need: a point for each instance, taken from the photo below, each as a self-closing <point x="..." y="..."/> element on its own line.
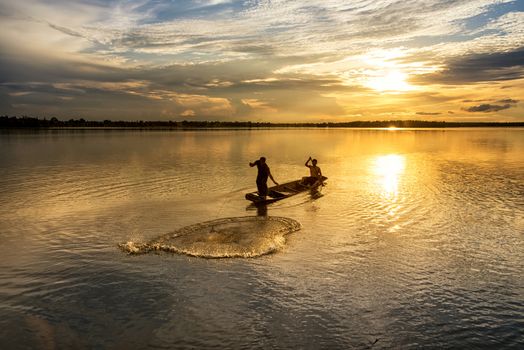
<point x="387" y="71"/>
<point x="389" y="81"/>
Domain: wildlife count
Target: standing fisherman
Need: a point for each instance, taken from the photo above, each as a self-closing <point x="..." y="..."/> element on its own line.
<point x="263" y="174"/>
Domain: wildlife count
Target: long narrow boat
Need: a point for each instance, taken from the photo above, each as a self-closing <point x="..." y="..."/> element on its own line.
<point x="282" y="191"/>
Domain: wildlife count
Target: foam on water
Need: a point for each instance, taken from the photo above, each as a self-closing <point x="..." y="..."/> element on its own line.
<point x="246" y="237"/>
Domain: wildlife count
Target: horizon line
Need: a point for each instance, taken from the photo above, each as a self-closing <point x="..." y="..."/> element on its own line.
<point x="36" y="122"/>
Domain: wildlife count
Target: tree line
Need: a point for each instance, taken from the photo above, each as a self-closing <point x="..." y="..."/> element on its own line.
<point x="32" y="122"/>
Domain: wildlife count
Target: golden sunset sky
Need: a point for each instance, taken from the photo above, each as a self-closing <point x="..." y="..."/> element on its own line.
<point x="278" y="61"/>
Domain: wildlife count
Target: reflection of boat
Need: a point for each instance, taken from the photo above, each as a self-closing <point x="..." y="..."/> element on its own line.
<point x="282" y="191"/>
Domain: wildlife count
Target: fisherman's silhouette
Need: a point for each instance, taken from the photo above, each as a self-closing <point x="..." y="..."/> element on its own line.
<point x="315" y="174"/>
<point x="263" y="173"/>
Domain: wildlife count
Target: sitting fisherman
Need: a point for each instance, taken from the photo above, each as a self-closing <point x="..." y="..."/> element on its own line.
<point x="315" y="177"/>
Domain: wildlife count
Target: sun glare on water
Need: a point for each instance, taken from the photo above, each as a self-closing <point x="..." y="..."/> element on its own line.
<point x="389" y="169"/>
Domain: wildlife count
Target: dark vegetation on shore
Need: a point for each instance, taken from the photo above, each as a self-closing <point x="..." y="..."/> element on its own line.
<point x="31" y="122"/>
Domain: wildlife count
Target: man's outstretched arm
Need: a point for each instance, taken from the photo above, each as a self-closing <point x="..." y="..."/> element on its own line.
<point x="271" y="177"/>
<point x="307" y="161"/>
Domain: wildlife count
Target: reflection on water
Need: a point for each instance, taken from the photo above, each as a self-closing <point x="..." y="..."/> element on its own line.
<point x="388" y="169"/>
<point x="416" y="240"/>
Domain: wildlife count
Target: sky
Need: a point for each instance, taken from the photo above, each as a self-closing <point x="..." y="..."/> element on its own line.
<point x="277" y="61"/>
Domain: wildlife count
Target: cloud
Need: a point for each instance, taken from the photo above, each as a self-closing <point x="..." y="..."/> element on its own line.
<point x="220" y="30"/>
<point x="134" y="99"/>
<point x="472" y="68"/>
<point x="188" y="113"/>
<point x="257" y="104"/>
<point x="65" y="30"/>
<point x="428" y="113"/>
<point x="486" y="107"/>
<point x="247" y="59"/>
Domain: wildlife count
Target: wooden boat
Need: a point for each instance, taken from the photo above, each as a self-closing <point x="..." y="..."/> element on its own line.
<point x="282" y="191"/>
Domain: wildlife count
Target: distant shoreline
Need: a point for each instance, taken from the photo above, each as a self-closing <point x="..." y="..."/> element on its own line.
<point x="7" y="122"/>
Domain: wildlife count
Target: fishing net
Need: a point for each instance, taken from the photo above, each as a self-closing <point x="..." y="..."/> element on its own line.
<point x="245" y="237"/>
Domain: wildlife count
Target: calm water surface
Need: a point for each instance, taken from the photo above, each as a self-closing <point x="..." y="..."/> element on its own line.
<point x="416" y="242"/>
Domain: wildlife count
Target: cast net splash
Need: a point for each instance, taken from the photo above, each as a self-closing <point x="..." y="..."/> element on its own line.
<point x="245" y="237"/>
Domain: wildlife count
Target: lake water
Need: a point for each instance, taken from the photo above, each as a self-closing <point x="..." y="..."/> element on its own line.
<point x="417" y="240"/>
